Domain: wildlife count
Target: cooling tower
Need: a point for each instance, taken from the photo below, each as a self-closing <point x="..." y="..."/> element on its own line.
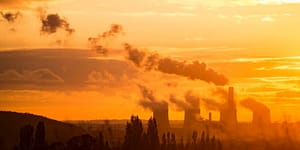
<point x="190" y="117"/>
<point x="261" y="118"/>
<point x="162" y="119"/>
<point x="228" y="114"/>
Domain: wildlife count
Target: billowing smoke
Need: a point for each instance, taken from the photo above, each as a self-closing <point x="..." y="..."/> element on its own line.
<point x="180" y="104"/>
<point x="10" y="17"/>
<point x="149" y="101"/>
<point x="97" y="43"/>
<point x="220" y="96"/>
<point x="191" y="101"/>
<point x="254" y="106"/>
<point x="194" y="70"/>
<point x="211" y="104"/>
<point x="51" y="23"/>
<point x="221" y="93"/>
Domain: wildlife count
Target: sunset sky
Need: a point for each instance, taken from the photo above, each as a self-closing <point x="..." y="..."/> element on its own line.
<point x="254" y="43"/>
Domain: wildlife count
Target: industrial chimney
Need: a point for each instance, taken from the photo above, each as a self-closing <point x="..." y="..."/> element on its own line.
<point x="228" y="115"/>
<point x="190" y="117"/>
<point x="162" y="119"/>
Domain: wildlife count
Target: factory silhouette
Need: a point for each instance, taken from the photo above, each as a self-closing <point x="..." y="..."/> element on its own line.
<point x="160" y="133"/>
<point x="228" y="116"/>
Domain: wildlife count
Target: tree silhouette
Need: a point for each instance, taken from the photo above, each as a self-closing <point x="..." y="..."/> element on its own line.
<point x="152" y="133"/>
<point x="40" y="141"/>
<point x="26" y="138"/>
<point x="213" y="143"/>
<point x="100" y="142"/>
<point x="163" y="142"/>
<point x="194" y="137"/>
<point x="173" y="142"/>
<point x="133" y="135"/>
<point x="202" y="141"/>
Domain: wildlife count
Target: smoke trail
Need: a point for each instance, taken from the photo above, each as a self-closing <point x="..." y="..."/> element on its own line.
<point x="52" y="22"/>
<point x="149" y="101"/>
<point x="96" y="43"/>
<point x="10" y="17"/>
<point x="194" y="70"/>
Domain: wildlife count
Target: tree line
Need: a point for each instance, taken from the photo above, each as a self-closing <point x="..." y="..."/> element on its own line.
<point x="136" y="138"/>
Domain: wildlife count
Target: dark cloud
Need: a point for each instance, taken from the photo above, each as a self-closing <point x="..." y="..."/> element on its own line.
<point x="75" y="68"/>
<point x="51" y="23"/>
<point x="96" y="43"/>
<point x="10" y="17"/>
<point x="194" y="70"/>
<point x="149" y="101"/>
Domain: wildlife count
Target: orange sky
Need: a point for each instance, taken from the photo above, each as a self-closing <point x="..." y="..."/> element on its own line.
<point x="255" y="43"/>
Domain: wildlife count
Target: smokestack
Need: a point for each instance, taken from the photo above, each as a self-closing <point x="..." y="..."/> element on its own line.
<point x="209" y="116"/>
<point x="190" y="117"/>
<point x="161" y="115"/>
<point x="228" y="115"/>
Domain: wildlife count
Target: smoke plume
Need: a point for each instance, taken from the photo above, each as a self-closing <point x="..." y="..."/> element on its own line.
<point x="52" y="22"/>
<point x="10" y="17"/>
<point x="180" y="104"/>
<point x="254" y="106"/>
<point x="218" y="102"/>
<point x="211" y="104"/>
<point x="149" y="101"/>
<point x="97" y="43"/>
<point x="191" y="101"/>
<point x="194" y="70"/>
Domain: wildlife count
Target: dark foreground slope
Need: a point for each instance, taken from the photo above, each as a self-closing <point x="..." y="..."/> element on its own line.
<point x="11" y="122"/>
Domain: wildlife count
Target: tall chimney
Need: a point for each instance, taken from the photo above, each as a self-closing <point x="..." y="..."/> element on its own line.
<point x="228" y="114"/>
<point x="209" y="116"/>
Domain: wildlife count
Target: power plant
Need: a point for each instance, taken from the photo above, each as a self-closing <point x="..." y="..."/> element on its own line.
<point x="228" y="115"/>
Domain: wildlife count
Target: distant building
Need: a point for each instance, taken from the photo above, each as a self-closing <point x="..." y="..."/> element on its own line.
<point x="228" y="114"/>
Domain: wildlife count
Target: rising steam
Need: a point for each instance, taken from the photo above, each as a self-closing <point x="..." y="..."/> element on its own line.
<point x="191" y="101"/>
<point x="149" y="101"/>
